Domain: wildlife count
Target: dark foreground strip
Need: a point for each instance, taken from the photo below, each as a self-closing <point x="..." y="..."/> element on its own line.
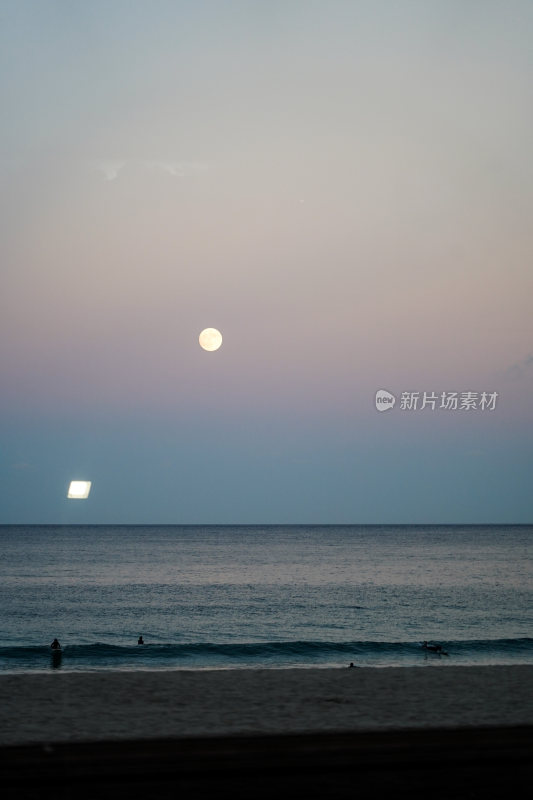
<point x="466" y="763"/>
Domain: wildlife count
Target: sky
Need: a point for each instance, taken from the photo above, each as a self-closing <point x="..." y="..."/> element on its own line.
<point x="343" y="188"/>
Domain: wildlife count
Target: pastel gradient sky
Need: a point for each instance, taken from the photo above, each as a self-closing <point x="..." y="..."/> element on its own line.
<point x="344" y="189"/>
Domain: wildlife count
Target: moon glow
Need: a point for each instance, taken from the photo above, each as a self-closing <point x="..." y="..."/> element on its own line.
<point x="79" y="490"/>
<point x="210" y="339"/>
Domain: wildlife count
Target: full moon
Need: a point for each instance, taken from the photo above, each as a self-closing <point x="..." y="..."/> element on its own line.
<point x="210" y="339"/>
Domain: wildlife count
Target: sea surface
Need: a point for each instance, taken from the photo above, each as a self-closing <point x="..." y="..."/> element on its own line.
<point x="207" y="597"/>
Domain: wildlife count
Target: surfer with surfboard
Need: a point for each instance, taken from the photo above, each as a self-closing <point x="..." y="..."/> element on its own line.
<point x="434" y="648"/>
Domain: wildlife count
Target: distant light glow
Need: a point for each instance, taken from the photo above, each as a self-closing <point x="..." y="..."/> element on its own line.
<point x="79" y="490"/>
<point x="210" y="339"/>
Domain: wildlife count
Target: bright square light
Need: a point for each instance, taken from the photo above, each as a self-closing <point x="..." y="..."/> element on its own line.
<point x="79" y="490"/>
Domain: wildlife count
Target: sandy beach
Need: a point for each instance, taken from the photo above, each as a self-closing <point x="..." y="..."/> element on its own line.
<point x="69" y="707"/>
<point x="456" y="731"/>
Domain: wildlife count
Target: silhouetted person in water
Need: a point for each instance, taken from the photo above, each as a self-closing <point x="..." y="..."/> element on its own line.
<point x="140" y="640"/>
<point x="55" y="645"/>
<point x="435" y="648"/>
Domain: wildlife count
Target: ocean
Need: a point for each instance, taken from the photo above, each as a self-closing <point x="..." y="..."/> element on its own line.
<point x="218" y="597"/>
